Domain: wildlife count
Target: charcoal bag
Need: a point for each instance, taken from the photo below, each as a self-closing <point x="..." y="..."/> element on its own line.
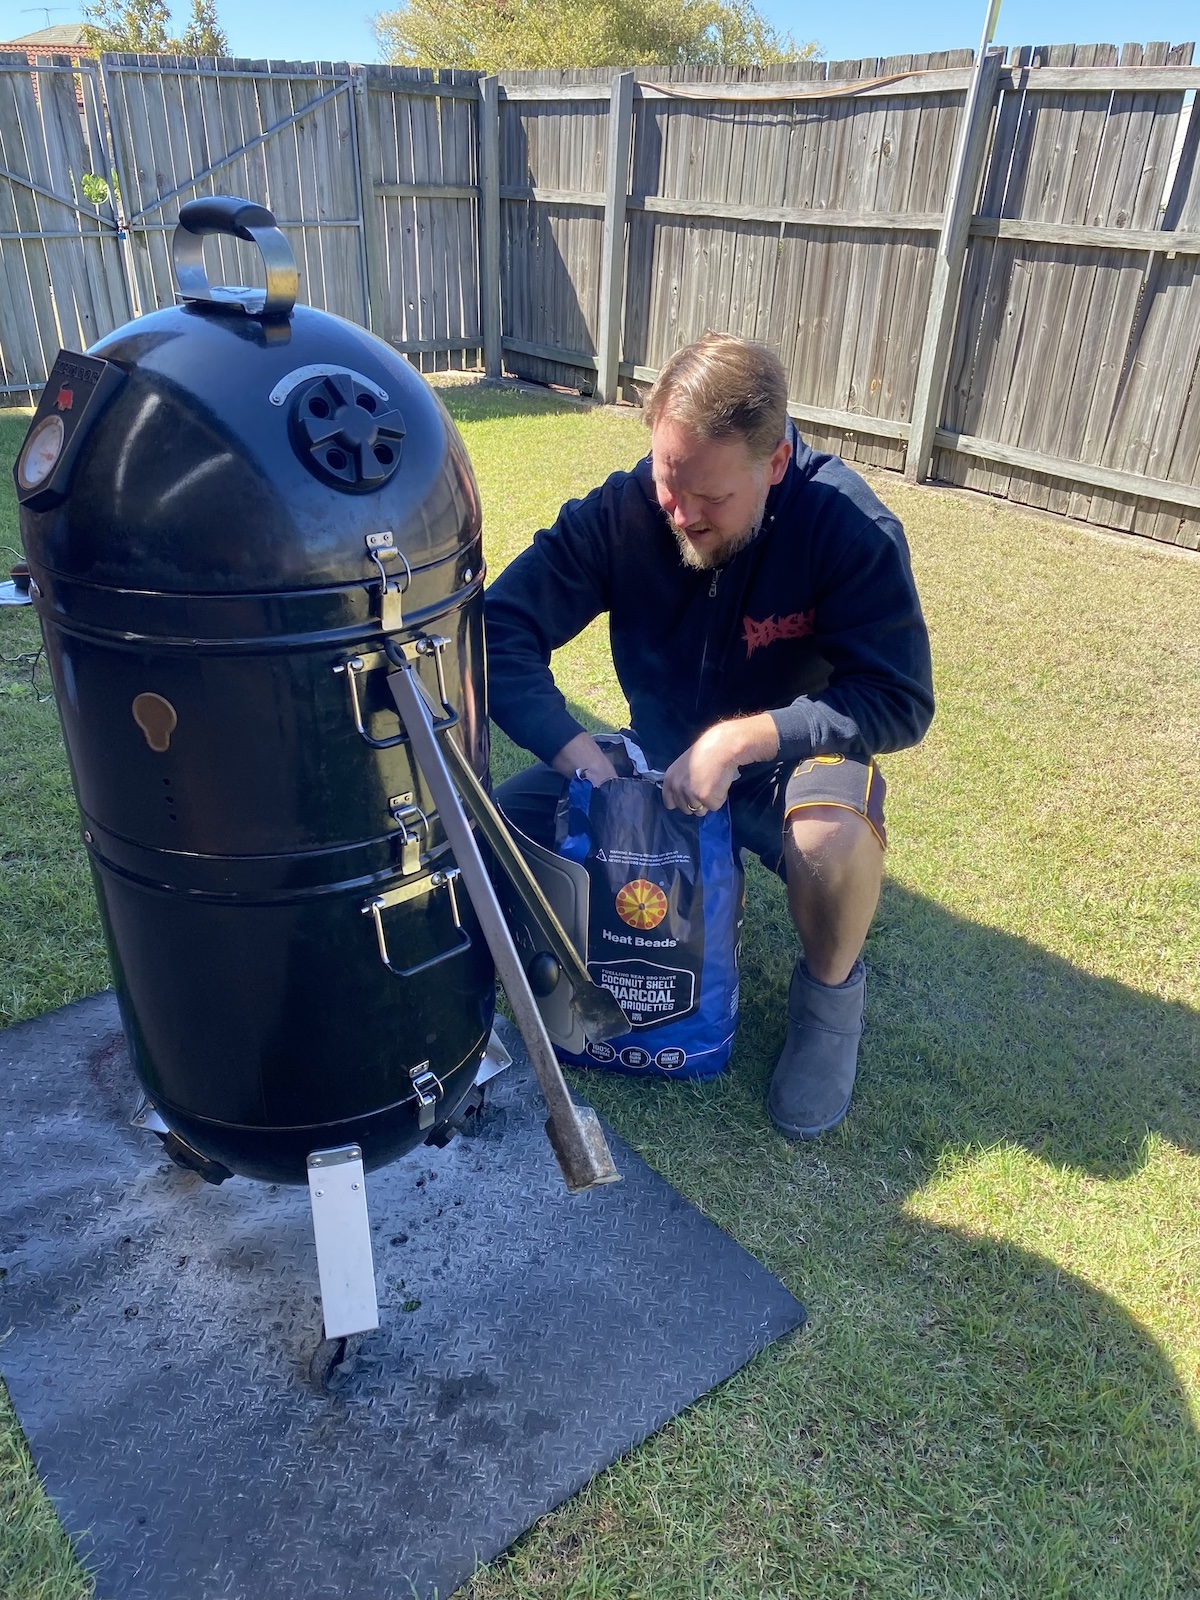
<point x="664" y="924"/>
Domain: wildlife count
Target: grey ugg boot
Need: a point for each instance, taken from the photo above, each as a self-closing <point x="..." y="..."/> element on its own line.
<point x="810" y="1091"/>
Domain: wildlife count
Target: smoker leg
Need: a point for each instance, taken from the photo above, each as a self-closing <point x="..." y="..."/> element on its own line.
<point x="337" y="1189"/>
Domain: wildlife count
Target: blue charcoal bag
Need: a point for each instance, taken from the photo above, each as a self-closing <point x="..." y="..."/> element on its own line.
<point x="664" y="925"/>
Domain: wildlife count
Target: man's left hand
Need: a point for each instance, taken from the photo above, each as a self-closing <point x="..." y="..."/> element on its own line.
<point x="699" y="780"/>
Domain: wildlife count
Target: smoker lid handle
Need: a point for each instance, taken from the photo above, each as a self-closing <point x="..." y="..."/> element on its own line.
<point x="240" y="219"/>
<point x="225" y="213"/>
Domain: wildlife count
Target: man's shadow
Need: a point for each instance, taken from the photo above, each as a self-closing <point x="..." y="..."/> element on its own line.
<point x="955" y="1376"/>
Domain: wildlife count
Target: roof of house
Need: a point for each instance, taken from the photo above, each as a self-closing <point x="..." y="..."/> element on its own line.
<point x="61" y="35"/>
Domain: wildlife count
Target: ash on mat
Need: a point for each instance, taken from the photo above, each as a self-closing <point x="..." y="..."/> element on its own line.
<point x="162" y="1328"/>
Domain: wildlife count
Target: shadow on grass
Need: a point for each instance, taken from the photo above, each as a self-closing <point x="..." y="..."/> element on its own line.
<point x="964" y="1416"/>
<point x="474" y="400"/>
<point x="979" y="1037"/>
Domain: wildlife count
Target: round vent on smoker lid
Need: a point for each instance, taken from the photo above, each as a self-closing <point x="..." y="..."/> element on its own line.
<point x="344" y="434"/>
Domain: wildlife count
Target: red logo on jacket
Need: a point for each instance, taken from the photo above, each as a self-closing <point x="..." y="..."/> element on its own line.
<point x="756" y="634"/>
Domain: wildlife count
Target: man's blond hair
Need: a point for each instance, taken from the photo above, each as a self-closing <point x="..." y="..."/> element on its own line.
<point x="720" y="386"/>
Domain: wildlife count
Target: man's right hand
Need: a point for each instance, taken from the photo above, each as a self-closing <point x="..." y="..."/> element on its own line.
<point x="583" y="755"/>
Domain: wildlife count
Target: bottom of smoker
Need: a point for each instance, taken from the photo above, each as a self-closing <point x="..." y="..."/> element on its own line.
<point x="162" y="1332"/>
<point x="280" y="1155"/>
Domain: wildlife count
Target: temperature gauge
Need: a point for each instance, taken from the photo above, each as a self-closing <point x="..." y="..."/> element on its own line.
<point x="40" y="455"/>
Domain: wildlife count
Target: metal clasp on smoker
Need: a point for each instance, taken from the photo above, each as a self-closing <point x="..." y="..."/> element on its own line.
<point x="381" y="547"/>
<point x="409" y="818"/>
<point x="429" y="1090"/>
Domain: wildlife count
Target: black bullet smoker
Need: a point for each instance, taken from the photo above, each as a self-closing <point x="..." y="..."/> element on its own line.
<point x="255" y="549"/>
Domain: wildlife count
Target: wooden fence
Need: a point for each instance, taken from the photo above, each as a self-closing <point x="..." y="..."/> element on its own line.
<point x="987" y="271"/>
<point x="61" y="274"/>
<point x="1009" y="301"/>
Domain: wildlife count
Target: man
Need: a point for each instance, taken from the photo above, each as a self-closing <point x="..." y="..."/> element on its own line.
<point x="768" y="637"/>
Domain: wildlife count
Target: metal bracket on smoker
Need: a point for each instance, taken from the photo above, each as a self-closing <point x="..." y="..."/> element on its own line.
<point x="496" y="1059"/>
<point x="342" y="1230"/>
<point x="148" y="1118"/>
<point x="443" y="878"/>
<point x="381" y="547"/>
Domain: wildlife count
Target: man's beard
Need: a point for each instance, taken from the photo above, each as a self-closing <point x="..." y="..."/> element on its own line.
<point x="705" y="560"/>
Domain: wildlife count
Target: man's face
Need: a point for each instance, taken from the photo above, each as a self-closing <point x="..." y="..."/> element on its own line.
<point x="712" y="491"/>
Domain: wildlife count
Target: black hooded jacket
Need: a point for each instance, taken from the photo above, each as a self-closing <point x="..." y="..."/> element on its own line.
<point x="816" y="620"/>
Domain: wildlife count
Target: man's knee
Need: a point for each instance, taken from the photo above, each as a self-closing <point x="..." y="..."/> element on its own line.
<point x="831" y="844"/>
<point x="529" y="802"/>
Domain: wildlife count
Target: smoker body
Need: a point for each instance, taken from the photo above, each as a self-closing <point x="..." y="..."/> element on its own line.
<point x="216" y="584"/>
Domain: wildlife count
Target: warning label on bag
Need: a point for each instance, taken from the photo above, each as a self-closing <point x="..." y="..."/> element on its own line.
<point x="646" y="992"/>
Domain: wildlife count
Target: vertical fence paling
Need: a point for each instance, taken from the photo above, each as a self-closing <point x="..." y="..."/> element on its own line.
<point x="612" y="257"/>
<point x="369" y="170"/>
<point x="951" y="255"/>
<point x="489" y="180"/>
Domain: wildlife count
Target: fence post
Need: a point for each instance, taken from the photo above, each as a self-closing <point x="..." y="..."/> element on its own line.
<point x="366" y="163"/>
<point x="141" y="298"/>
<point x="951" y="254"/>
<point x="99" y="147"/>
<point x="612" y="258"/>
<point x="489" y="225"/>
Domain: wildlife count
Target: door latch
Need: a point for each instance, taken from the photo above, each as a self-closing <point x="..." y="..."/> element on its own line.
<point x="381" y="547"/>
<point x="429" y="1091"/>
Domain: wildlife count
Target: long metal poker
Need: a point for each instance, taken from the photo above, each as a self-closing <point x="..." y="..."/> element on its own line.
<point x="574" y="1131"/>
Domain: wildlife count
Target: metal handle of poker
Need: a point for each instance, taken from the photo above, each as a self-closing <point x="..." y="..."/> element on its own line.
<point x="575" y="1134"/>
<point x="600" y="1013"/>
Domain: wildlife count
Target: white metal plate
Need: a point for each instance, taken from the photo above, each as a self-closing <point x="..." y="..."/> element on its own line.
<point x="338" y="1191"/>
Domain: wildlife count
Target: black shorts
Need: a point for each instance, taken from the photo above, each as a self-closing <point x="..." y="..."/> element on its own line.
<point x="760" y="802"/>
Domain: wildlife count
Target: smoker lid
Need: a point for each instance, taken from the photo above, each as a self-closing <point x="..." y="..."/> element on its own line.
<point x="243" y="446"/>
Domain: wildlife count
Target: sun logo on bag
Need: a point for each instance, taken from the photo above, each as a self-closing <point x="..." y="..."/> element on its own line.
<point x="641" y="904"/>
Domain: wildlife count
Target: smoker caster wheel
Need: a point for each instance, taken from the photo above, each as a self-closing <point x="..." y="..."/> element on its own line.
<point x="333" y="1357"/>
<point x="465" y="1120"/>
<point x="183" y="1155"/>
<point x="469" y="1116"/>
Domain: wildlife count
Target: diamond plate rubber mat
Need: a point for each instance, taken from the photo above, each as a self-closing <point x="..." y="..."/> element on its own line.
<point x="161" y="1331"/>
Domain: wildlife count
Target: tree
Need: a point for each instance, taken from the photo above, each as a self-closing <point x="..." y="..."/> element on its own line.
<point x="489" y="35"/>
<point x="144" y="26"/>
<point x="127" y="25"/>
<point x="204" y="35"/>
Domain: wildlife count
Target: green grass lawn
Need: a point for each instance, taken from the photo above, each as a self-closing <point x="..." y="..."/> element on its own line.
<point x="999" y="1390"/>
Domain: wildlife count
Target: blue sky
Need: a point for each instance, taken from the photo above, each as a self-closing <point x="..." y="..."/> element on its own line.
<point x="308" y="29"/>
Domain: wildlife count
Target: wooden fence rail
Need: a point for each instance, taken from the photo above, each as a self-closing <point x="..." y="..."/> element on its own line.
<point x="983" y="269"/>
